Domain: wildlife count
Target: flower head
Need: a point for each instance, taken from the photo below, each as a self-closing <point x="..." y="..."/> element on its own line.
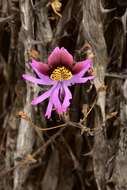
<point x="60" y="72"/>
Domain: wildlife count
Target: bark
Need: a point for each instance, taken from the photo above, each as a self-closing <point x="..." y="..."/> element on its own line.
<point x="69" y="157"/>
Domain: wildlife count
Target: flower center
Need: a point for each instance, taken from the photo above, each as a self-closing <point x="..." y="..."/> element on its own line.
<point x="61" y="73"/>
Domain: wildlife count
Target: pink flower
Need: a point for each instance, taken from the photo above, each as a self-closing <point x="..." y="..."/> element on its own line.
<point x="60" y="72"/>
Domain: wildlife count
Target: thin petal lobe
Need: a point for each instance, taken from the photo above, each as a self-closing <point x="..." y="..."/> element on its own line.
<point x="44" y="81"/>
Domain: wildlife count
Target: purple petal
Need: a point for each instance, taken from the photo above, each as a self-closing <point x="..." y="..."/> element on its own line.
<point x="44" y="96"/>
<point x="43" y="81"/>
<point x="35" y="66"/>
<point x="60" y="57"/>
<point x="81" y="67"/>
<point x="55" y="99"/>
<point x="66" y="57"/>
<point x="49" y="109"/>
<point x="67" y="97"/>
<point x="78" y="80"/>
<point x="40" y="68"/>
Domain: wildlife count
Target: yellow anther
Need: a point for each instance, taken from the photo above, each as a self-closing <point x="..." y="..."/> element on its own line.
<point x="61" y="73"/>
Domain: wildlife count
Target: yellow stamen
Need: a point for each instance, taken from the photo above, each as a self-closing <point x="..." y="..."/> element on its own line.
<point x="61" y="73"/>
